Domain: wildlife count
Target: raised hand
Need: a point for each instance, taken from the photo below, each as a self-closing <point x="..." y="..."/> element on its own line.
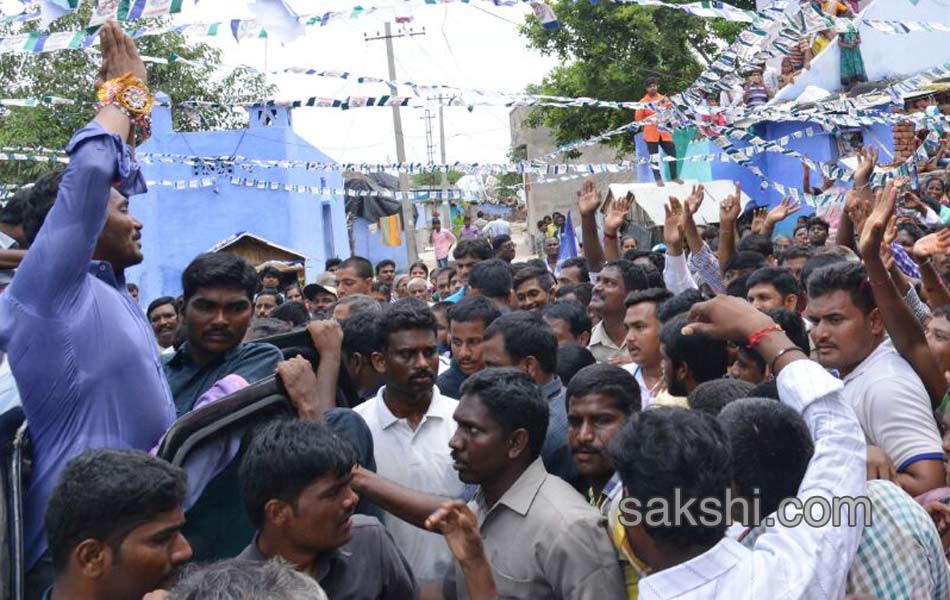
<point x="731" y="206"/>
<point x="934" y="244"/>
<point x="459" y="525"/>
<point x="694" y="201"/>
<point x="301" y="384"/>
<point x="758" y="221"/>
<point x="867" y="160"/>
<point x="119" y="54"/>
<point x="875" y="226"/>
<point x="782" y="210"/>
<point x="617" y="214"/>
<point x="588" y="200"/>
<point x="857" y="206"/>
<point x="673" y="227"/>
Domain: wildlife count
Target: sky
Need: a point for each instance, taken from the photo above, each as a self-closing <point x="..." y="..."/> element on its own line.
<point x="467" y="45"/>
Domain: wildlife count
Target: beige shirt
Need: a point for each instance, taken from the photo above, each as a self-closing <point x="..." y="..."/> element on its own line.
<point x="544" y="540"/>
<point x="602" y="347"/>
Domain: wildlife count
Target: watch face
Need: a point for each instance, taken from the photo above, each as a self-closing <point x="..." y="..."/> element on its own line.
<point x="135" y="99"/>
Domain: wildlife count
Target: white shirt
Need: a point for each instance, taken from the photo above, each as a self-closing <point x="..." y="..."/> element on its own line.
<point x="676" y="274"/>
<point x="893" y="407"/>
<point x="497" y="227"/>
<point x="419" y="460"/>
<point x="790" y="563"/>
<point x="646" y="396"/>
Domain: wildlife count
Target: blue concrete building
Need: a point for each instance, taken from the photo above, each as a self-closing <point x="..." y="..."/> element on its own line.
<point x="182" y="223"/>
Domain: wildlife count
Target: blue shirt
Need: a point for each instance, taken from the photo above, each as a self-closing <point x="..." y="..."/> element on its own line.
<point x="457" y="296"/>
<point x="188" y="381"/>
<point x="82" y="352"/>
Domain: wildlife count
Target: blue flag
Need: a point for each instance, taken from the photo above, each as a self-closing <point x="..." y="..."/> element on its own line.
<point x="568" y="241"/>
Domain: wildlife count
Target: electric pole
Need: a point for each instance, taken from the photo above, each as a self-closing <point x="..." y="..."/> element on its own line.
<point x="445" y="177"/>
<point x="409" y="223"/>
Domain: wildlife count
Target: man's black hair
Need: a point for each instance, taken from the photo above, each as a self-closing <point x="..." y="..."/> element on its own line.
<point x="582" y="291"/>
<point x="780" y="278"/>
<point x="711" y="396"/>
<point x="816" y="262"/>
<point x="649" y="81"/>
<point x="407" y="314"/>
<point x="765" y="389"/>
<point x="278" y="297"/>
<point x="846" y="276"/>
<point x="263" y="327"/>
<point x="536" y="262"/>
<point x="271" y="271"/>
<point x="475" y="248"/>
<point x="544" y="277"/>
<point x="219" y="270"/>
<point x="771" y="448"/>
<point x="657" y="258"/>
<point x="664" y="453"/>
<point x="514" y="401"/>
<point x="293" y="312"/>
<point x="14" y="210"/>
<point x="160" y="302"/>
<point x="386" y="262"/>
<point x="745" y="261"/>
<point x="382" y="288"/>
<point x="707" y="358"/>
<point x="678" y="304"/>
<point x="492" y="279"/>
<point x="757" y="243"/>
<point x="819" y="221"/>
<point x="654" y="275"/>
<point x="499" y="240"/>
<point x="634" y="276"/>
<point x="473" y="308"/>
<point x="610" y="381"/>
<point x="572" y="314"/>
<point x="332" y="262"/>
<point x="577" y="262"/>
<point x="40" y="200"/>
<point x="361" y="267"/>
<point x="360" y="334"/>
<point x="571" y="358"/>
<point x="104" y="495"/>
<point x="709" y="233"/>
<point x="526" y="334"/>
<point x="795" y="252"/>
<point x="442" y="307"/>
<point x="285" y="457"/>
<point x="656" y="295"/>
<point x="739" y="287"/>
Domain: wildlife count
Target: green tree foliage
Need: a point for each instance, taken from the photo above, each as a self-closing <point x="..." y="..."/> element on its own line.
<point x="608" y="49"/>
<point x="433" y="179"/>
<point x="72" y="74"/>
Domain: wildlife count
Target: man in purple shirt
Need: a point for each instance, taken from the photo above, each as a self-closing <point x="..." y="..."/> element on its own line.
<point x="81" y="349"/>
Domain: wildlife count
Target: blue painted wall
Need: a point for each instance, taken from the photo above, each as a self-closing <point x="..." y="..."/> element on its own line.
<point x="180" y="224"/>
<point x="821" y="147"/>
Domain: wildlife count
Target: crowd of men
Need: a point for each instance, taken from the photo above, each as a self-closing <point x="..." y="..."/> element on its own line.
<point x="489" y="429"/>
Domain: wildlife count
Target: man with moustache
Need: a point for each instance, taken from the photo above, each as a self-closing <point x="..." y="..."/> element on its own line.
<point x="467" y="323"/>
<point x="411" y="423"/>
<point x="218" y="305"/>
<point x="616" y="280"/>
<point x="541" y="538"/>
<point x="295" y="482"/>
<point x="114" y="524"/>
<point x="600" y="399"/>
<point x="163" y="316"/>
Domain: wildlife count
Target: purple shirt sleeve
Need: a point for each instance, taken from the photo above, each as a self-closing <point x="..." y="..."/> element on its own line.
<point x="53" y="272"/>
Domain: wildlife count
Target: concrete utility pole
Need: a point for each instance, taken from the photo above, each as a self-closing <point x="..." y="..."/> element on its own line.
<point x="408" y="222"/>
